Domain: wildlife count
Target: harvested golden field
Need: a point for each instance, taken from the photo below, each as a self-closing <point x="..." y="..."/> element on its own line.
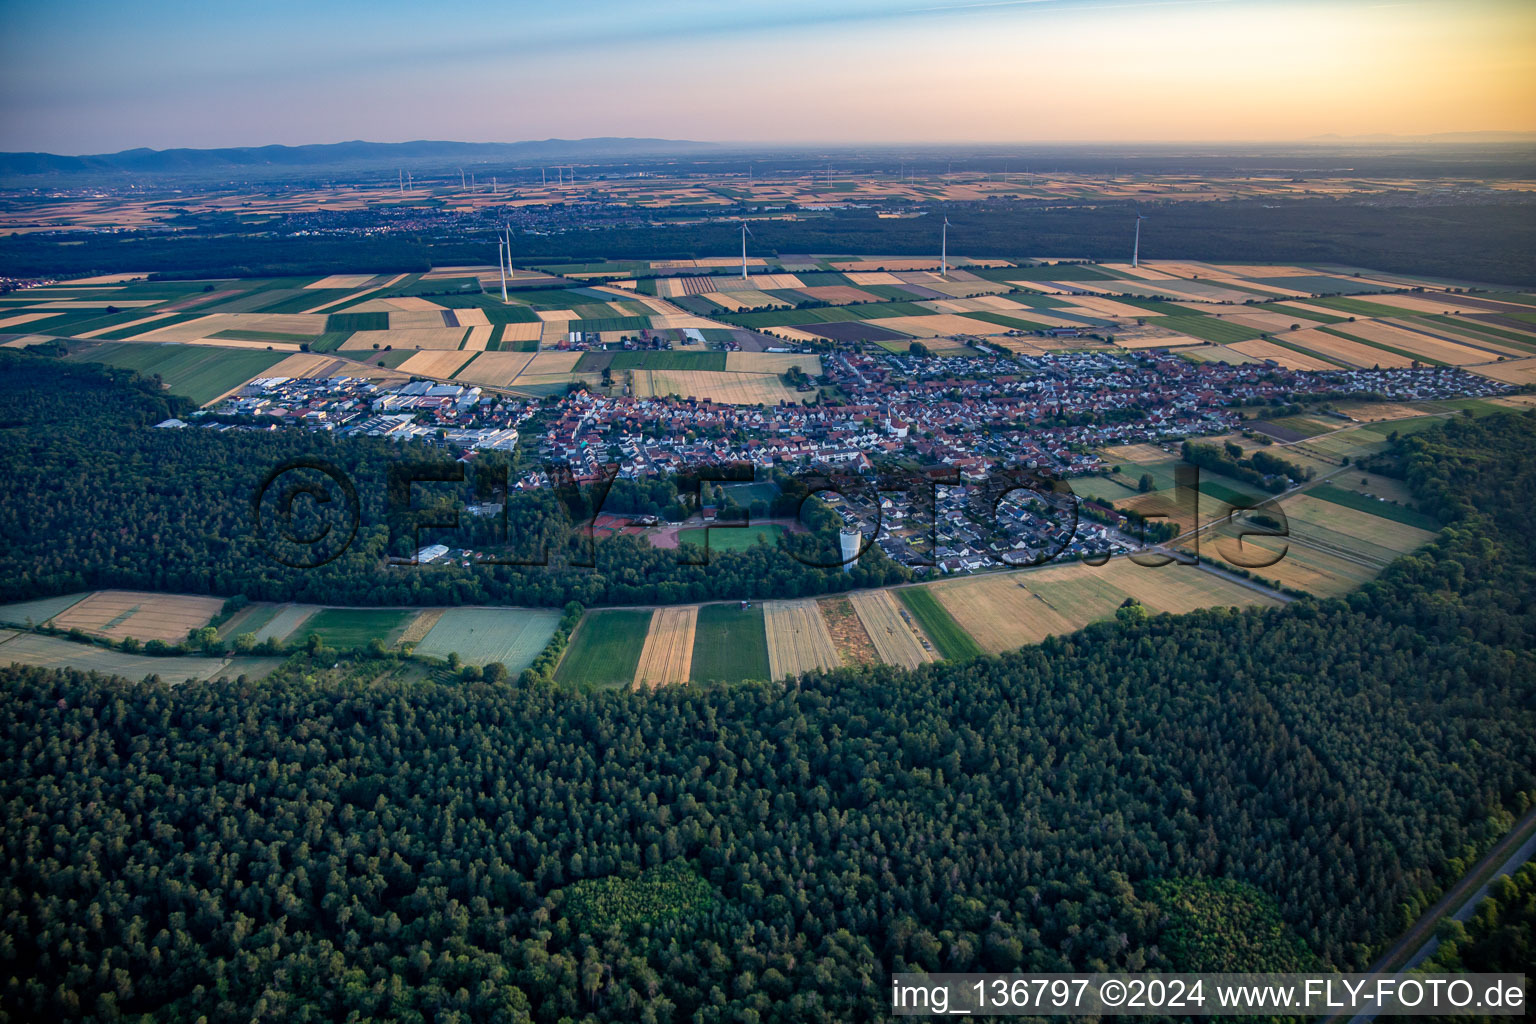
<point x="847" y="632"/>
<point x="23" y="318"/>
<point x="1272" y="323"/>
<point x="897" y="641"/>
<point x="420" y="319"/>
<point x="721" y="386"/>
<point x="1288" y="358"/>
<point x="1004" y="611"/>
<point x="116" y="614"/>
<point x="1511" y="371"/>
<point x="1095" y="305"/>
<point x="895" y="263"/>
<point x="1345" y="350"/>
<point x="427" y="338"/>
<point x="872" y="277"/>
<point x="341" y="281"/>
<point x="1423" y="345"/>
<point x="410" y="303"/>
<point x="1370" y="412"/>
<point x="841" y="295"/>
<point x="120" y="327"/>
<point x="521" y="332"/>
<point x="553" y="362"/>
<point x="940" y="324"/>
<point x="1138" y="453"/>
<point x="667" y="656"/>
<point x="436" y="364"/>
<point x="420" y="626"/>
<point x="1304" y="567"/>
<point x="1431" y="302"/>
<point x="798" y="640"/>
<point x="479" y="338"/>
<point x="556" y="315"/>
<point x="732" y="302"/>
<point x="471" y="318"/>
<point x="772" y="362"/>
<point x="1144" y="272"/>
<point x="302" y="364"/>
<point x="792" y="334"/>
<point x="495" y="368"/>
<point x="1157" y="339"/>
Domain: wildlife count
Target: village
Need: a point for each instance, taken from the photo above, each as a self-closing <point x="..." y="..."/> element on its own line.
<point x="951" y="422"/>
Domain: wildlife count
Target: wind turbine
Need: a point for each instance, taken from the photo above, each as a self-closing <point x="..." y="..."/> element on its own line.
<point x="745" y="231"/>
<point x="1136" y="252"/>
<point x="462" y="184"/>
<point x="501" y="265"/>
<point x="944" y="251"/>
<point x="507" y="234"/>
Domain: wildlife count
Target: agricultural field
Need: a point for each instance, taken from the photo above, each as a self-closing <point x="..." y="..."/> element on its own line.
<point x="479" y="636"/>
<point x="729" y="645"/>
<point x="346" y="629"/>
<point x="117" y="614"/>
<point x="798" y="640"/>
<point x="37" y="613"/>
<point x="667" y="655"/>
<point x="285" y="622"/>
<point x="605" y="649"/>
<point x="203" y="374"/>
<point x="947" y="635"/>
<point x="55" y="652"/>
<point x="1008" y="610"/>
<point x="848" y="635"/>
<point x="895" y="639"/>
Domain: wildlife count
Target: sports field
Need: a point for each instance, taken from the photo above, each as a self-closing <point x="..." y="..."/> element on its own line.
<point x="732" y="538"/>
<point x="479" y="636"/>
<point x="605" y="649"/>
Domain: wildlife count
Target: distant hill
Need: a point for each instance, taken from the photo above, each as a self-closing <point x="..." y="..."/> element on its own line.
<point x="339" y="154"/>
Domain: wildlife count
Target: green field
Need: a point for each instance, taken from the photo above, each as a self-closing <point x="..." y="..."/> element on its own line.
<point x="1003" y="320"/>
<point x="357" y="322"/>
<point x="596" y="362"/>
<point x="35" y="613"/>
<point x="952" y="641"/>
<point x="1207" y="327"/>
<point x="730" y="644"/>
<point x="732" y="538"/>
<point x="200" y="372"/>
<point x="479" y="636"/>
<point x="348" y="628"/>
<point x="1375" y="506"/>
<point x="605" y="649"/>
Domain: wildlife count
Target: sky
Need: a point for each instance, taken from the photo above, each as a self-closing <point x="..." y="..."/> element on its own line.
<point x="86" y="76"/>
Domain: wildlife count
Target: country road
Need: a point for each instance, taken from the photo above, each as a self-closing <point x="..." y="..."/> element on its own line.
<point x="1418" y="943"/>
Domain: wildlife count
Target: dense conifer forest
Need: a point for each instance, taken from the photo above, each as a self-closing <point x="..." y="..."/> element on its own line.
<point x="97" y="498"/>
<point x="352" y="841"/>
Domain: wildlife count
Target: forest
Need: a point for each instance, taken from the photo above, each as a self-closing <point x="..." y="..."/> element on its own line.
<point x="1487" y="240"/>
<point x="97" y="499"/>
<point x="349" y="840"/>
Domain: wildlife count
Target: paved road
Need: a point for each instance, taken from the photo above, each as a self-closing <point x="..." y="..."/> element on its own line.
<point x="1418" y="943"/>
